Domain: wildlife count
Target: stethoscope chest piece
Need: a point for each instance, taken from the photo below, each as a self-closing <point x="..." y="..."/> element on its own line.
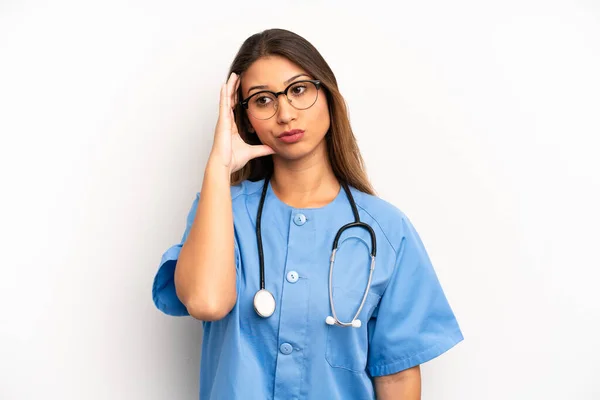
<point x="264" y="303"/>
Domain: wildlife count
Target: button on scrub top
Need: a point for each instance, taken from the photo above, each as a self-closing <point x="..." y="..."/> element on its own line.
<point x="294" y="354"/>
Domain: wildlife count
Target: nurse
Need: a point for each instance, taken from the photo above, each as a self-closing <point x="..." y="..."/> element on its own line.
<point x="255" y="262"/>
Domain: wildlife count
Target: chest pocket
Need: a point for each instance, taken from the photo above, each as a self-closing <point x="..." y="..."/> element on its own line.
<point x="347" y="347"/>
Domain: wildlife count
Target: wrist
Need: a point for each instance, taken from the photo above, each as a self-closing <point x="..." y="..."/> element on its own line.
<point x="216" y="167"/>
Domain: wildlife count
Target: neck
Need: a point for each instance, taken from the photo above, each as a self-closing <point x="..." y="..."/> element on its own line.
<point x="305" y="183"/>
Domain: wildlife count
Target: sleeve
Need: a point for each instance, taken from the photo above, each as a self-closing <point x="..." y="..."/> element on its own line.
<point x="414" y="322"/>
<point x="163" y="288"/>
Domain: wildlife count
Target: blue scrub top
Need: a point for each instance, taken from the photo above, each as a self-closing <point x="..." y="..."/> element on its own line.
<point x="294" y="354"/>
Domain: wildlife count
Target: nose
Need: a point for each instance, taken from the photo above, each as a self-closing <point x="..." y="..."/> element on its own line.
<point x="285" y="111"/>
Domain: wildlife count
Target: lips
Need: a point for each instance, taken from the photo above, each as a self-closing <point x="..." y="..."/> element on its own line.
<point x="291" y="136"/>
<point x="291" y="132"/>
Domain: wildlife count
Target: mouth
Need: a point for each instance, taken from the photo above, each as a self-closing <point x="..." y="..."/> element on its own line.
<point x="291" y="133"/>
<point x="291" y="136"/>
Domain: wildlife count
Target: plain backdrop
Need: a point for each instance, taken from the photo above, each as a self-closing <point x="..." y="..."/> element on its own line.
<point x="478" y="119"/>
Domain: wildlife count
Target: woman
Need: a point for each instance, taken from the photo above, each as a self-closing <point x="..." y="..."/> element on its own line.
<point x="284" y="175"/>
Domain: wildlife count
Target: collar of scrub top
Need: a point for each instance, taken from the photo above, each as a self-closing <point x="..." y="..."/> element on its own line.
<point x="264" y="302"/>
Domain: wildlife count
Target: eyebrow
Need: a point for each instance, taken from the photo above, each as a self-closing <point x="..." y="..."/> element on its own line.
<point x="286" y="82"/>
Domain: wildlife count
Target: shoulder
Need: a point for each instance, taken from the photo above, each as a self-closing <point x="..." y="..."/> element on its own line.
<point x="238" y="193"/>
<point x="245" y="189"/>
<point x="388" y="217"/>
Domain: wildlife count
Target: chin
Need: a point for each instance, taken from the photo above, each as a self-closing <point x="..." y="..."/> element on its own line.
<point x="297" y="151"/>
<point x="291" y="155"/>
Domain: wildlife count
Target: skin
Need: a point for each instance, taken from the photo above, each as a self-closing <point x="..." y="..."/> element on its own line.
<point x="302" y="177"/>
<point x="404" y="385"/>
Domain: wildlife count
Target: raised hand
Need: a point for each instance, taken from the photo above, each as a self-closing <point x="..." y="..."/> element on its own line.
<point x="229" y="149"/>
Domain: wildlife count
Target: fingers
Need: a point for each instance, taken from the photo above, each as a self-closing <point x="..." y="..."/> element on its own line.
<point x="223" y="103"/>
<point x="237" y="86"/>
<point x="234" y="129"/>
<point x="231" y="86"/>
<point x="227" y="103"/>
<point x="222" y="97"/>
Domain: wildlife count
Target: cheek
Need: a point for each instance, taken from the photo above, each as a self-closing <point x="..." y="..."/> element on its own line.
<point x="318" y="119"/>
<point x="321" y="117"/>
<point x="260" y="126"/>
<point x="262" y="129"/>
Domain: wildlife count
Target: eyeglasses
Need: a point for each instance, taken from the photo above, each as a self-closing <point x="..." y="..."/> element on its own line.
<point x="300" y="94"/>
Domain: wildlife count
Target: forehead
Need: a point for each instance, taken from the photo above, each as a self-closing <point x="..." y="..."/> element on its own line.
<point x="271" y="71"/>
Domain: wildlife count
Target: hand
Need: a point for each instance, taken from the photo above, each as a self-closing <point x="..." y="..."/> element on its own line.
<point x="229" y="149"/>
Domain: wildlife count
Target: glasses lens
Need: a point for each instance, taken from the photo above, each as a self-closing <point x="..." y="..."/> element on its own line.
<point x="262" y="106"/>
<point x="302" y="95"/>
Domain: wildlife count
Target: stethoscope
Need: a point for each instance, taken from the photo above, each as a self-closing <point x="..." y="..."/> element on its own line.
<point x="264" y="301"/>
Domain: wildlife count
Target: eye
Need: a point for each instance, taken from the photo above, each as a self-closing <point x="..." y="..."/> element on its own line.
<point x="298" y="89"/>
<point x="262" y="101"/>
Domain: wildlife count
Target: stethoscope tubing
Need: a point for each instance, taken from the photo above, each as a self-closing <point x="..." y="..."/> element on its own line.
<point x="357" y="223"/>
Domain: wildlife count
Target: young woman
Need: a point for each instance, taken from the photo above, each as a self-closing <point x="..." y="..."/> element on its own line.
<point x="308" y="285"/>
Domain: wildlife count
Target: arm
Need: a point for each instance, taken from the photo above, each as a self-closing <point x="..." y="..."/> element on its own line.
<point x="205" y="276"/>
<point x="205" y="273"/>
<point x="404" y="385"/>
<point x="413" y="323"/>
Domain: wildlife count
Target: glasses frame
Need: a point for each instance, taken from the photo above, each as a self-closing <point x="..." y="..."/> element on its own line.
<point x="316" y="82"/>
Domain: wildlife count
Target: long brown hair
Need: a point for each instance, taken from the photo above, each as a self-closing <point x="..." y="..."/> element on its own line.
<point x="344" y="155"/>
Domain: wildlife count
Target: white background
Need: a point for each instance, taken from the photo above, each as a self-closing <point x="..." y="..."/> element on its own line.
<point x="480" y="120"/>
